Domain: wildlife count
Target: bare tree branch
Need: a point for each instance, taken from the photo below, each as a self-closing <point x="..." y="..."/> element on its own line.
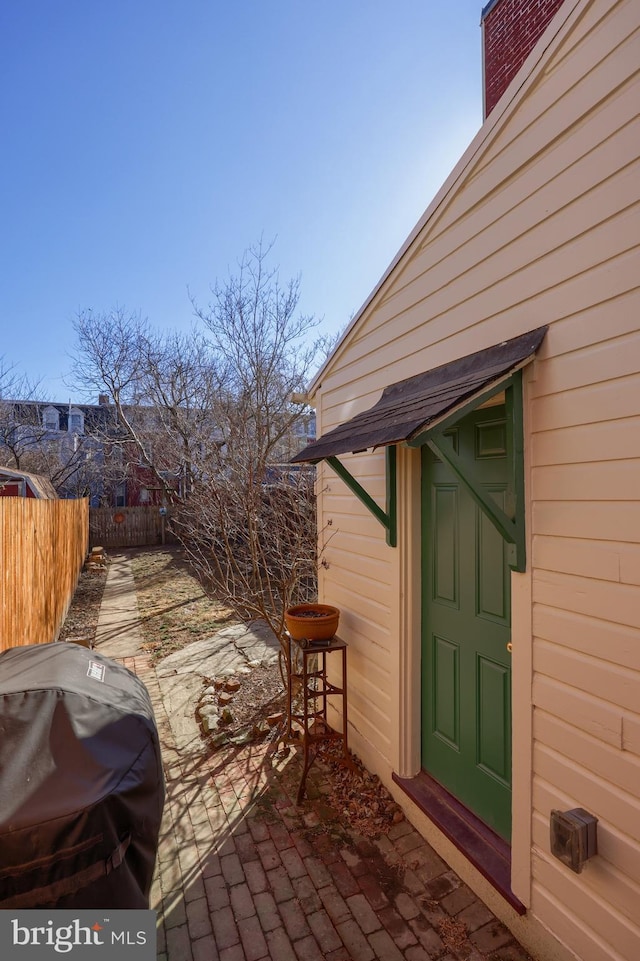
<point x="226" y="406"/>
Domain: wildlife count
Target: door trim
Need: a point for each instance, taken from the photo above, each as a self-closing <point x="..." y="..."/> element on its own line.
<point x="487" y="851"/>
<point x="407" y="693"/>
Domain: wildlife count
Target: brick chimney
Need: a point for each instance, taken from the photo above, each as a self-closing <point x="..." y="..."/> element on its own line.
<point x="103" y="400"/>
<point x="510" y="29"/>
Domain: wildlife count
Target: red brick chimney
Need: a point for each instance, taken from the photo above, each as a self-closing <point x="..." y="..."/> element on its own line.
<point x="510" y="29"/>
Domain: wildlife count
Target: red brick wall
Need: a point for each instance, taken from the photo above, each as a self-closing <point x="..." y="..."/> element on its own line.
<point x="511" y="28"/>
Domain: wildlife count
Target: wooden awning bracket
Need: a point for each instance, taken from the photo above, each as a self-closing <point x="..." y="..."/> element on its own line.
<point x="387" y="517"/>
<point x="509" y="523"/>
<point x="510" y="527"/>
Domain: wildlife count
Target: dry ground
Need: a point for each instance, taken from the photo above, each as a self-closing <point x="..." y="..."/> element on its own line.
<point x="174" y="611"/>
<point x="82" y="618"/>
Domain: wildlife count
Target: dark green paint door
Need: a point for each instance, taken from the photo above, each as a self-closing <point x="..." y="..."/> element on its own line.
<point x="466" y="676"/>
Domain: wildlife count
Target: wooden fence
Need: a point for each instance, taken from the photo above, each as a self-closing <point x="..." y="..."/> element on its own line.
<point x="128" y="527"/>
<point x="43" y="545"/>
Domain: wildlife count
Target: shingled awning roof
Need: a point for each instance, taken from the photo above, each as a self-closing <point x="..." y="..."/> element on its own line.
<point x="409" y="407"/>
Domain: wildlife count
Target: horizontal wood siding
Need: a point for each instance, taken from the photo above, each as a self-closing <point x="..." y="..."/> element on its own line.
<point x="43" y="545"/>
<point x="539" y="224"/>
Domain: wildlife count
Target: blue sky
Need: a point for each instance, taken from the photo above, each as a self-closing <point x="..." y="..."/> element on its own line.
<point x="147" y="143"/>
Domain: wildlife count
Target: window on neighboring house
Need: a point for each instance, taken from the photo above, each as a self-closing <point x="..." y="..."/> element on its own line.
<point x="51" y="418"/>
<point x="76" y="421"/>
<point x="121" y="495"/>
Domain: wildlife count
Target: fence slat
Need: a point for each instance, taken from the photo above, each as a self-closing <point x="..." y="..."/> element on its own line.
<point x="43" y="545"/>
<point x="128" y="527"/>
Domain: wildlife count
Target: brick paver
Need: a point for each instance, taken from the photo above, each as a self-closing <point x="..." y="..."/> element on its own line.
<point x="244" y="874"/>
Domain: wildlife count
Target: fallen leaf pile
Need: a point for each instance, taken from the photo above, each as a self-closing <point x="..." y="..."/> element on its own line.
<point x="453" y="933"/>
<point x="359" y="796"/>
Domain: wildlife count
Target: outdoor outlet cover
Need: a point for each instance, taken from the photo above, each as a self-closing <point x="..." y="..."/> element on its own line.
<point x="573" y="837"/>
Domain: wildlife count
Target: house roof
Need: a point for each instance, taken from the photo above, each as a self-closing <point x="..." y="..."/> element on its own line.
<point x="410" y="406"/>
<point x="96" y="416"/>
<point x="41" y="486"/>
<point x="493" y="124"/>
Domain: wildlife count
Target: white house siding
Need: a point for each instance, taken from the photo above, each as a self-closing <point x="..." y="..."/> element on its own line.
<point x="538" y="224"/>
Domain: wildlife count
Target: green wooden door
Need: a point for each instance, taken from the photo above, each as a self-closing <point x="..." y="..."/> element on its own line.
<point x="466" y="676"/>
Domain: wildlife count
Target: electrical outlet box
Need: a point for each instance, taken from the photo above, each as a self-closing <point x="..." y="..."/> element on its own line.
<point x="573" y="837"/>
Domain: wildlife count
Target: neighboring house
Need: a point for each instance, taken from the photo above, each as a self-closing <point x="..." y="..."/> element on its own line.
<point x="83" y="449"/>
<point x="85" y="452"/>
<point x="488" y="565"/>
<point x="14" y="483"/>
<point x="62" y="441"/>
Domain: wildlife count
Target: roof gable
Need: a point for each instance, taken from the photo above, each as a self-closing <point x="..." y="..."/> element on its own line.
<point x="446" y="206"/>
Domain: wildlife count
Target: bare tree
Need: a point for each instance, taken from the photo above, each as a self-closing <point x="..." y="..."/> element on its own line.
<point x="222" y="405"/>
<point x="163" y="387"/>
<point x="264" y="355"/>
<point x="181" y="386"/>
<point x="110" y="359"/>
<point x="250" y="525"/>
<point x="18" y="422"/>
<point x="254" y="545"/>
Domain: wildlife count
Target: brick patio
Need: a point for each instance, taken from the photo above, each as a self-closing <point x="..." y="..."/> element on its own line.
<point x="243" y="874"/>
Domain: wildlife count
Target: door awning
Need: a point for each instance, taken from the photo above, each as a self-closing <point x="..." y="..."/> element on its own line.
<point x="411" y="406"/>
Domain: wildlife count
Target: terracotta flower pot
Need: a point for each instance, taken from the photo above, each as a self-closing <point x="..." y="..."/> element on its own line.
<point x="312" y="622"/>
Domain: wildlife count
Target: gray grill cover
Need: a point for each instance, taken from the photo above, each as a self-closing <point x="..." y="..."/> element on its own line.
<point x="81" y="784"/>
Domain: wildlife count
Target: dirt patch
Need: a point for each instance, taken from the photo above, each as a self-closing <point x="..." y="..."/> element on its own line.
<point x="256" y="709"/>
<point x="81" y="621"/>
<point x="174" y="609"/>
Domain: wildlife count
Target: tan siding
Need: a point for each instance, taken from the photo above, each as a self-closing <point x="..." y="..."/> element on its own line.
<point x="539" y="224"/>
<point x="631" y="733"/>
<point x="612" y="480"/>
<point x="618" y="685"/>
<point x="589" y="404"/>
<point x="612" y="296"/>
<point x="614" y="642"/>
<point x="603" y="880"/>
<point x="573" y="556"/>
<point x="605" y="800"/>
<point x="362" y="617"/>
<point x="359" y="523"/>
<point x="593" y="37"/>
<point x="630" y="565"/>
<point x="591" y="910"/>
<point x="613" y="440"/>
<point x="587" y="711"/>
<point x="357" y="576"/>
<point x="375" y="565"/>
<point x="585" y="940"/>
<point x="601" y="361"/>
<point x="375" y="592"/>
<point x="600" y="521"/>
<point x="621" y="852"/>
<point x="619" y="603"/>
<point x="618" y="766"/>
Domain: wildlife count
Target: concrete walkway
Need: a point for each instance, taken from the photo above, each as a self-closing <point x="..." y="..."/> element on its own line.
<point x="244" y="874"/>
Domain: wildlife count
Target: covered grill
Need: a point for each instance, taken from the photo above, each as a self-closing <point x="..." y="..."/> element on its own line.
<point x="81" y="784"/>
